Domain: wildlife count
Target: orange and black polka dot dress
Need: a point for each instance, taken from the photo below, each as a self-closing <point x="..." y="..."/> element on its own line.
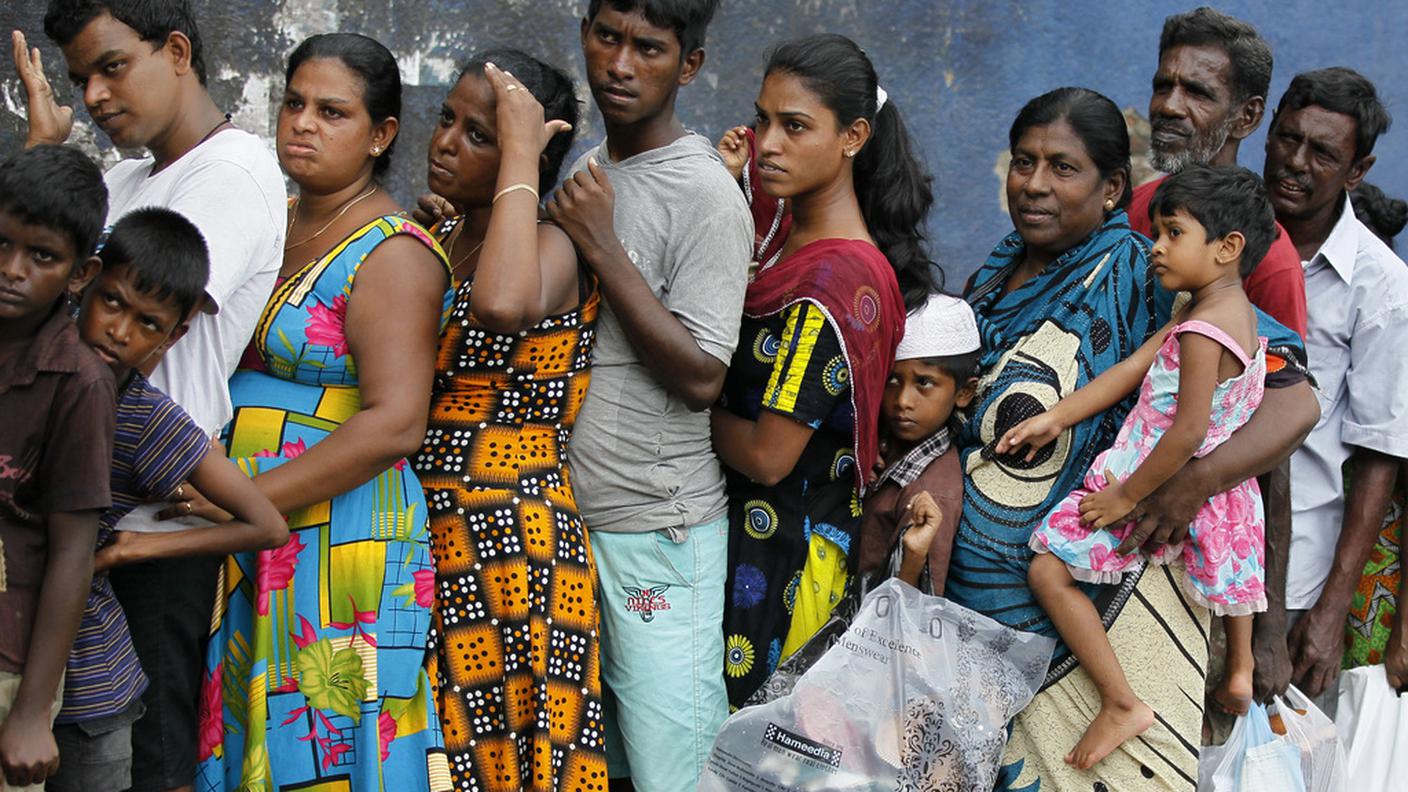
<point x="514" y="661"/>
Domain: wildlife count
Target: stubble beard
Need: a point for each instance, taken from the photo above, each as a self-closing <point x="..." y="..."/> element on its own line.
<point x="1199" y="151"/>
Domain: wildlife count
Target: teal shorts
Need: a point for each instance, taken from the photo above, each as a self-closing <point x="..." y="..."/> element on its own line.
<point x="662" y="652"/>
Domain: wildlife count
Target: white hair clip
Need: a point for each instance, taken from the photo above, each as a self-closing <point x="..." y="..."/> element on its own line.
<point x="880" y="98"/>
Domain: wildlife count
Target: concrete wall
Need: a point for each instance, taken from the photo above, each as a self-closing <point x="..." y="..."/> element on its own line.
<point x="959" y="70"/>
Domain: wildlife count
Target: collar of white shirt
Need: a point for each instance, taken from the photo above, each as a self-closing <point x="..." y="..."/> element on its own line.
<point x="1341" y="247"/>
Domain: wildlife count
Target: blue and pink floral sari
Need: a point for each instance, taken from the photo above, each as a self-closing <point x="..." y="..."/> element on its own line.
<point x="315" y="672"/>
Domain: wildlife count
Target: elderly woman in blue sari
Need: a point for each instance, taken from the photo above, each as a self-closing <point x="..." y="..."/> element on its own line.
<point x="1065" y="296"/>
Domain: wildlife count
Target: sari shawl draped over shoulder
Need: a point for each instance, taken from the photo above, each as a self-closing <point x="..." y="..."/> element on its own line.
<point x="855" y="288"/>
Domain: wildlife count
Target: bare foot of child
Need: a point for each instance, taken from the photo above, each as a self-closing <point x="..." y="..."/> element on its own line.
<point x="1234" y="695"/>
<point x="1109" y="730"/>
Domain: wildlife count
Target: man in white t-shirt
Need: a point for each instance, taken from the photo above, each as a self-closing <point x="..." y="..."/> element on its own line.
<point x="139" y="68"/>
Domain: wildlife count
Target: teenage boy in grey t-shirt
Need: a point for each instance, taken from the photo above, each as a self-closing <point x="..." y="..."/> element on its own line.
<point x="666" y="230"/>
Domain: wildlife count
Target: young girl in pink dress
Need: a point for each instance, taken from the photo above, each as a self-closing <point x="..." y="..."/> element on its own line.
<point x="1199" y="380"/>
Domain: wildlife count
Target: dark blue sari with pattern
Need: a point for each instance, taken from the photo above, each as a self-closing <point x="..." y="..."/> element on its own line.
<point x="1084" y="312"/>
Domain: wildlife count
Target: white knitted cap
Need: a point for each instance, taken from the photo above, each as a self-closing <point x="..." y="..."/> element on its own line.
<point x="941" y="327"/>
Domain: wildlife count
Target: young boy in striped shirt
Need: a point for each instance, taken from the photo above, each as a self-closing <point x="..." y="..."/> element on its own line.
<point x="152" y="283"/>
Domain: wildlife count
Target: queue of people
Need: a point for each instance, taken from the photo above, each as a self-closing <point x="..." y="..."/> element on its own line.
<point x="529" y="486"/>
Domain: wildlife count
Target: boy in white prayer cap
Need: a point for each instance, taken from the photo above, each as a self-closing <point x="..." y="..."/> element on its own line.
<point x="920" y="489"/>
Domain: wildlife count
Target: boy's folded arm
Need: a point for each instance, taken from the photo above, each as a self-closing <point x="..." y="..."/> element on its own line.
<point x="26" y="743"/>
<point x="256" y="524"/>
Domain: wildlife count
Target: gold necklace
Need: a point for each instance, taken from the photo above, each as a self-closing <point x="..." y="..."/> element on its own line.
<point x="293" y="219"/>
<point x="455" y="237"/>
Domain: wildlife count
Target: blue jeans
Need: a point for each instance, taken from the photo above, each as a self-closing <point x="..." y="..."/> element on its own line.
<point x="662" y="652"/>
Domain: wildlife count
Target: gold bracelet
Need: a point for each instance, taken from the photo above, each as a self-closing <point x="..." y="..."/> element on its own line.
<point x="512" y="187"/>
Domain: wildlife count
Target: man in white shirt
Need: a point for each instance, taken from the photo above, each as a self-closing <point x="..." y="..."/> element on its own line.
<point x="1320" y="146"/>
<point x="140" y="70"/>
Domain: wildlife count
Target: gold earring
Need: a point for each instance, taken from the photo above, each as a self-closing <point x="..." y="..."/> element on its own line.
<point x="376" y="151"/>
<point x="850" y="154"/>
<point x="1109" y="204"/>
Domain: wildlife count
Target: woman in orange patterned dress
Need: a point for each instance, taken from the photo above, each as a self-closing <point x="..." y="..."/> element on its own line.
<point x="516" y="670"/>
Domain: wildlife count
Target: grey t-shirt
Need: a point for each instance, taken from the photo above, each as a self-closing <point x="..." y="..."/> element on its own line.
<point x="641" y="460"/>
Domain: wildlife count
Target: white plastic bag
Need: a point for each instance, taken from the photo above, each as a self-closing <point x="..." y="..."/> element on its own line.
<point x="1269" y="763"/>
<point x="1253" y="759"/>
<point x="1372" y="720"/>
<point x="915" y="695"/>
<point x="1322" y="756"/>
<point x="1219" y="765"/>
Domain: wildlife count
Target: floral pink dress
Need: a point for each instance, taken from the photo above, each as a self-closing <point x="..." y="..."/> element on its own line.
<point x="1225" y="550"/>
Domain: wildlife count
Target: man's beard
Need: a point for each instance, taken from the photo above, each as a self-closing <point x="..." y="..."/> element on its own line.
<point x="1199" y="151"/>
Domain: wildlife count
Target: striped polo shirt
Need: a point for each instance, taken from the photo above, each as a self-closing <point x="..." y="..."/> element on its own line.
<point x="155" y="448"/>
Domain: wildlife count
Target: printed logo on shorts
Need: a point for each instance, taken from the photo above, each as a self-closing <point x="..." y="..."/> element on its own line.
<point x="646" y="601"/>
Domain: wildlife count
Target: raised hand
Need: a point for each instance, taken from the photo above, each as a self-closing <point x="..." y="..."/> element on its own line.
<point x="1033" y="433"/>
<point x="733" y="147"/>
<point x="924" y="517"/>
<point x="520" y="116"/>
<point x="49" y="122"/>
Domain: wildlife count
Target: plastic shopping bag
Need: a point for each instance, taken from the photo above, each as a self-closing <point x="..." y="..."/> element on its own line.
<point x="1253" y="759"/>
<point x="1322" y="757"/>
<point x="1269" y="763"/>
<point x="914" y="695"/>
<point x="1220" y="765"/>
<point x="1372" y="720"/>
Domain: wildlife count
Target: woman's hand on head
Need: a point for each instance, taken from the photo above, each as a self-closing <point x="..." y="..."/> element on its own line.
<point x="733" y="147"/>
<point x="520" y="116"/>
<point x="1033" y="434"/>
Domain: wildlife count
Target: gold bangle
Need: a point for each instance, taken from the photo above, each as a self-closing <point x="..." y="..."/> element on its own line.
<point x="512" y="187"/>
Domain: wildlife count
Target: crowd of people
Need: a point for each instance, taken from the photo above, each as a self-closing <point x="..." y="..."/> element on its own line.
<point x="528" y="486"/>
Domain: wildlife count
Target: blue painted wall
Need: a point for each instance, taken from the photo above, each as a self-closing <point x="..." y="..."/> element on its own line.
<point x="959" y="70"/>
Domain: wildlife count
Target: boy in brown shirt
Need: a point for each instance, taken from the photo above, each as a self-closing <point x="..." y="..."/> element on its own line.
<point x="920" y="490"/>
<point x="58" y="402"/>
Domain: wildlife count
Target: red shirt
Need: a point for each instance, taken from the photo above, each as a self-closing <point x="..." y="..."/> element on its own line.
<point x="1276" y="286"/>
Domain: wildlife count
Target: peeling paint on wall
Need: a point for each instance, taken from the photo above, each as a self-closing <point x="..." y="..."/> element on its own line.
<point x="959" y="70"/>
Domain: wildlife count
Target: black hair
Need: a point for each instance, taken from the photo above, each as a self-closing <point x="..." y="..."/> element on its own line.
<point x="1343" y="91"/>
<point x="1247" y="52"/>
<point x="370" y="60"/>
<point x="163" y="252"/>
<point x="960" y="368"/>
<point x="56" y="187"/>
<point x="1383" y="215"/>
<point x="154" y="21"/>
<point x="688" y="18"/>
<point x="893" y="187"/>
<point x="554" y="91"/>
<point x="1095" y="119"/>
<point x="1222" y="200"/>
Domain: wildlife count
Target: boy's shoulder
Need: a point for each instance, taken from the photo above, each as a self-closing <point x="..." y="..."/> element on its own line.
<point x="155" y="446"/>
<point x="56" y="348"/>
<point x="145" y="410"/>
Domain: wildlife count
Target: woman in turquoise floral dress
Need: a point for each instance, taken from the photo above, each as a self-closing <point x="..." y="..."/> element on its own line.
<point x="315" y="673"/>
